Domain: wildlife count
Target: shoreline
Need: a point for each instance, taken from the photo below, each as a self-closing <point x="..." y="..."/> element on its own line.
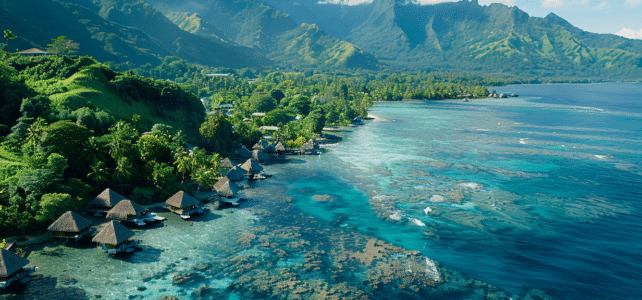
<point x="288" y="232"/>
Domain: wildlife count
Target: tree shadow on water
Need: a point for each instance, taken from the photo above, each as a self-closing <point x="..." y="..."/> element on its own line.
<point x="206" y="216"/>
<point x="42" y="287"/>
<point x="146" y="254"/>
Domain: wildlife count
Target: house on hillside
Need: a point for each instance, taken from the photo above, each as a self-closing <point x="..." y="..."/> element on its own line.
<point x="34" y="52"/>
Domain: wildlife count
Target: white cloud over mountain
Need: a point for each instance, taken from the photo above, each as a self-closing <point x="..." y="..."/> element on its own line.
<point x="552" y="3"/>
<point x="359" y="2"/>
<point x="630" y="33"/>
<point x="346" y="2"/>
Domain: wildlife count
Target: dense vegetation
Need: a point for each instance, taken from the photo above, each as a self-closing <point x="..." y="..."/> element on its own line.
<point x="125" y="33"/>
<point x="289" y="43"/>
<point x="385" y="35"/>
<point x="466" y="36"/>
<point x="72" y="126"/>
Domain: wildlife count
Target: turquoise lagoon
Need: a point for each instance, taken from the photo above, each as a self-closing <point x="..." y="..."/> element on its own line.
<point x="526" y="198"/>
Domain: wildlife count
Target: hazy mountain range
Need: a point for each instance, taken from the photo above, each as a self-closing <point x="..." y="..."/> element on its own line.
<point x="398" y="35"/>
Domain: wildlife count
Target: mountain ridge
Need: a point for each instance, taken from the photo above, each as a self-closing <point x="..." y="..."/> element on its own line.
<point x="276" y="34"/>
<point x="495" y="38"/>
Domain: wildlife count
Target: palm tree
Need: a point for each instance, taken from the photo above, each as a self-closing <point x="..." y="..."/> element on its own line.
<point x="94" y="152"/>
<point x="182" y="164"/>
<point x="122" y="170"/>
<point x="8" y="35"/>
<point x="98" y="174"/>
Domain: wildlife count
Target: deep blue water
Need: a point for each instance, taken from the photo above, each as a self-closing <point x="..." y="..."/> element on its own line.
<point x="541" y="191"/>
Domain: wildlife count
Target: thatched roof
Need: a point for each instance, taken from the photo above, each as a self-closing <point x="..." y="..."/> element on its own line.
<point x="307" y="147"/>
<point x="270" y="149"/>
<point x="242" y="152"/>
<point x="182" y="199"/>
<point x="33" y="51"/>
<point x="125" y="210"/>
<point x="280" y="147"/>
<point x="236" y="173"/>
<point x="251" y="167"/>
<point x="259" y="156"/>
<point x="10" y="263"/>
<point x="260" y="145"/>
<point x="108" y="198"/>
<point x="113" y="233"/>
<point x="226" y="188"/>
<point x="226" y="163"/>
<point x="70" y="222"/>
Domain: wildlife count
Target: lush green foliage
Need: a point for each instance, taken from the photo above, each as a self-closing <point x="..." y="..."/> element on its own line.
<point x="126" y="33"/>
<point x="301" y="104"/>
<point x="73" y="128"/>
<point x="77" y="127"/>
<point x="274" y="34"/>
<point x="61" y="45"/>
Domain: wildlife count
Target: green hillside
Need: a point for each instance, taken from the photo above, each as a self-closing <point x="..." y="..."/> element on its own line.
<point x="271" y="32"/>
<point x="494" y="38"/>
<point x="127" y="33"/>
<point x="469" y="37"/>
<point x="81" y="86"/>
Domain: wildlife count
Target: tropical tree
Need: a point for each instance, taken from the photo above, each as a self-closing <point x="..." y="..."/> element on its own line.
<point x="53" y="205"/>
<point x="61" y="45"/>
<point x="122" y="135"/>
<point x="94" y="152"/>
<point x="122" y="171"/>
<point x="182" y="164"/>
<point x="8" y="35"/>
<point x="99" y="173"/>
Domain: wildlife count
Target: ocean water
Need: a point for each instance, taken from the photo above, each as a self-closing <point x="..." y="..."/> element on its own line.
<point x="541" y="191"/>
<point x="536" y="197"/>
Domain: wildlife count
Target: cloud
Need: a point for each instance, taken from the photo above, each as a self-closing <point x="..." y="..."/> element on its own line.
<point x="428" y="2"/>
<point x="345" y="2"/>
<point x="633" y="2"/>
<point x="630" y="33"/>
<point x="602" y="6"/>
<point x="552" y="3"/>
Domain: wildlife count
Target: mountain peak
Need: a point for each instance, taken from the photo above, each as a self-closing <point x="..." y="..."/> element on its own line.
<point x="555" y="19"/>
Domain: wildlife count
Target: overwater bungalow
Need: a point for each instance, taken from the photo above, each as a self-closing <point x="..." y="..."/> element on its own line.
<point x="307" y="148"/>
<point x="226" y="163"/>
<point x="259" y="156"/>
<point x="252" y="169"/>
<point x="70" y="226"/>
<point x="129" y="211"/>
<point x="12" y="269"/>
<point x="260" y="145"/>
<point x="116" y="238"/>
<point x="243" y="152"/>
<point x="104" y="202"/>
<point x="236" y="173"/>
<point x="184" y="205"/>
<point x="227" y="189"/>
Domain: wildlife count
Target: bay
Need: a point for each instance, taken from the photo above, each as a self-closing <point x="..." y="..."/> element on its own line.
<point x="538" y="191"/>
<point x="538" y="196"/>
